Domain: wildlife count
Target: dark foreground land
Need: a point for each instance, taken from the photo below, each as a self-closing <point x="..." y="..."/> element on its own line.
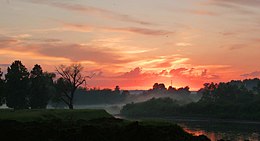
<point x="84" y="125"/>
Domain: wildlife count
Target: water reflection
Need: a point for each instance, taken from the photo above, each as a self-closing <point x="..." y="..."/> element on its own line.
<point x="227" y="130"/>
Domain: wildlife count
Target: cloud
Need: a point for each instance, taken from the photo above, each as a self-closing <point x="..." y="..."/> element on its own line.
<point x="257" y="40"/>
<point x="137" y="30"/>
<point x="165" y="64"/>
<point x="92" y="11"/>
<point x="237" y="46"/>
<point x="252" y="74"/>
<point x="55" y="48"/>
<point x="237" y="5"/>
<point x="42" y="40"/>
<point x="11" y="41"/>
<point x="203" y="12"/>
<point x="204" y="72"/>
<point x="183" y="44"/>
<point x="133" y="73"/>
<point x="193" y="73"/>
<point x="6" y="41"/>
<point x="76" y="52"/>
<point x="228" y="33"/>
<point x="177" y="72"/>
<point x="239" y="2"/>
<point x="77" y="27"/>
<point x="144" y="31"/>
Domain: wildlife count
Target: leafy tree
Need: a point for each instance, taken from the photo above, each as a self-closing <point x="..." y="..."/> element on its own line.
<point x="71" y="79"/>
<point x="117" y="90"/>
<point x="155" y="86"/>
<point x="185" y="90"/>
<point x="17" y="79"/>
<point x="2" y="87"/>
<point x="257" y="88"/>
<point x="208" y="92"/>
<point x="40" y="88"/>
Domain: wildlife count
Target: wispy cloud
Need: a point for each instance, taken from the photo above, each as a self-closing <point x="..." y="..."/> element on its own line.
<point x="251" y="74"/>
<point x="203" y="12"/>
<point x="237" y="46"/>
<point x="76" y="52"/>
<point x="12" y="41"/>
<point x="55" y="48"/>
<point x="6" y="41"/>
<point x="92" y="11"/>
<point x="145" y="31"/>
<point x="236" y="5"/>
<point x="183" y="44"/>
<point x="137" y="30"/>
<point x="77" y="27"/>
<point x="239" y="2"/>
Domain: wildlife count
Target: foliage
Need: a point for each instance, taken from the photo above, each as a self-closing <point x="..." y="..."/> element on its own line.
<point x="17" y="86"/>
<point x="232" y="100"/>
<point x="161" y="89"/>
<point x="41" y="87"/>
<point x="24" y="90"/>
<point x="2" y="88"/>
<point x="151" y="108"/>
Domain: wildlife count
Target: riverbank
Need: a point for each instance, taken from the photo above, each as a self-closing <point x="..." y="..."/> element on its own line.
<point x="190" y="119"/>
<point x="82" y="125"/>
<point x="214" y="129"/>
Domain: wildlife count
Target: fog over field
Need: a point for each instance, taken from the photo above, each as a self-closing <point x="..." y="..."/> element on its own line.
<point x="113" y="106"/>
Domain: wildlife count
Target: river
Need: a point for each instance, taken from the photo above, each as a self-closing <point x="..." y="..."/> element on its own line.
<point x="215" y="129"/>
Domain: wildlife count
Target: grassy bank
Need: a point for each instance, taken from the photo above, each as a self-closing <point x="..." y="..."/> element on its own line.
<point x="44" y="115"/>
<point x="84" y="125"/>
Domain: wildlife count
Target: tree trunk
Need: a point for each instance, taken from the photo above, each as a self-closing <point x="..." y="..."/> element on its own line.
<point x="71" y="106"/>
<point x="71" y="99"/>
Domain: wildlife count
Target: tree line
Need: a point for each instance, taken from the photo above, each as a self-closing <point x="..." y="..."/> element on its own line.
<point x="21" y="89"/>
<point x="231" y="100"/>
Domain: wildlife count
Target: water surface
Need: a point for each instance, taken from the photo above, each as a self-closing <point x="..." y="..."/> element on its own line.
<point x="233" y="130"/>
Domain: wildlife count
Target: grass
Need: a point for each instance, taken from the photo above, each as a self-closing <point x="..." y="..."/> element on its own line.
<point x="81" y="125"/>
<point x="45" y="115"/>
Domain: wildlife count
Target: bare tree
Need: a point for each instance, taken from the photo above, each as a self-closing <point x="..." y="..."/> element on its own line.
<point x="71" y="78"/>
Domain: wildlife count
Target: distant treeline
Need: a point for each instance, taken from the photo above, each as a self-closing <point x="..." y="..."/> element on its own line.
<point x="21" y="89"/>
<point x="234" y="99"/>
<point x="96" y="96"/>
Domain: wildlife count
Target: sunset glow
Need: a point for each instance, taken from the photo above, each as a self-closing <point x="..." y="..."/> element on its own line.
<point x="135" y="43"/>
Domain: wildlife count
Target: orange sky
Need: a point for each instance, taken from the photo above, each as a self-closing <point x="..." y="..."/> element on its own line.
<point x="135" y="43"/>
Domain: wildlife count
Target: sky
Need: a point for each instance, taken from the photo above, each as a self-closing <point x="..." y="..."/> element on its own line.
<point x="136" y="43"/>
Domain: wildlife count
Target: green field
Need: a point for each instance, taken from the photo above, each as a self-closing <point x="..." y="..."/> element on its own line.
<point x="45" y="115"/>
<point x="85" y="125"/>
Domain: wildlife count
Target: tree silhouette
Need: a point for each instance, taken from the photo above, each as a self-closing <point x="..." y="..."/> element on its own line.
<point x="117" y="90"/>
<point x="17" y="79"/>
<point x="40" y="88"/>
<point x="2" y="87"/>
<point x="71" y="79"/>
<point x="257" y="88"/>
